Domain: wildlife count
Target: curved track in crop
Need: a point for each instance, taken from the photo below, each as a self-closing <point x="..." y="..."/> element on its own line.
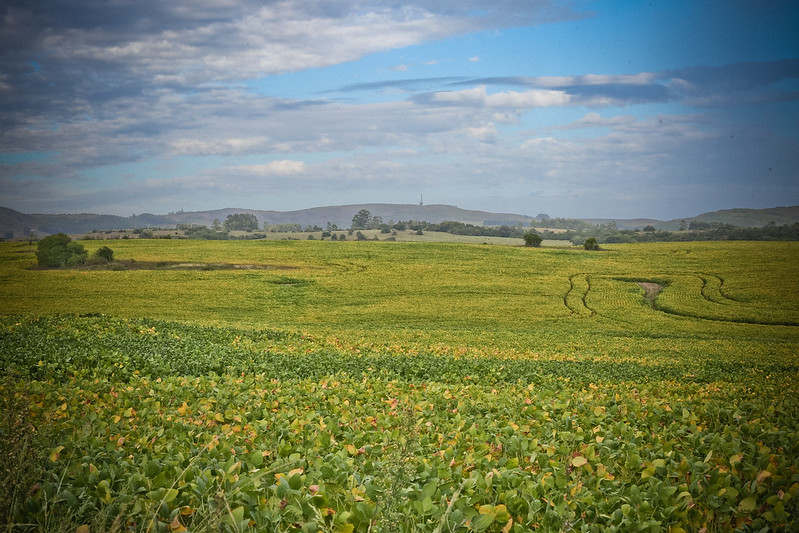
<point x="575" y="297"/>
<point x="708" y="303"/>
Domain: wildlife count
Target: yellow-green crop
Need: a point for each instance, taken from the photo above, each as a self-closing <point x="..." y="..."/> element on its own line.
<point x="359" y="386"/>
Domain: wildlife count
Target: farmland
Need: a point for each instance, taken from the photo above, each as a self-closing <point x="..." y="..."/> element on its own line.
<point x="402" y="386"/>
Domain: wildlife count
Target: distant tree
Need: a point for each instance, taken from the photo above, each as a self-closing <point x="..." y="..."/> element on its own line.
<point x="216" y="225"/>
<point x="541" y="217"/>
<point x="375" y="222"/>
<point x="649" y="228"/>
<point x="683" y="225"/>
<point x="342" y="237"/>
<point x="60" y="251"/>
<point x="532" y="239"/>
<point x="360" y="236"/>
<point x="104" y="252"/>
<point x="333" y="237"/>
<point x="591" y="244"/>
<point x="241" y="222"/>
<point x="361" y="219"/>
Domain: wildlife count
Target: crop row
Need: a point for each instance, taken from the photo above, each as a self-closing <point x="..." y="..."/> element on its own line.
<point x="156" y="426"/>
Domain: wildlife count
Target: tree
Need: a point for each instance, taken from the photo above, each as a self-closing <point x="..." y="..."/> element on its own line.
<point x="649" y="228"/>
<point x="104" y="252"/>
<point x="532" y="239"/>
<point x="216" y="225"/>
<point x="361" y="219"/>
<point x="59" y="251"/>
<point x="241" y="222"/>
<point x="591" y="244"/>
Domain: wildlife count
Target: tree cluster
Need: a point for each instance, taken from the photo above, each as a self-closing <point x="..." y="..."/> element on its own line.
<point x="60" y="251"/>
<point x="241" y="222"/>
<point x="698" y="231"/>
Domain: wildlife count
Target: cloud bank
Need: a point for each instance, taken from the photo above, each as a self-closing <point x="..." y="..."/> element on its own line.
<point x="144" y="105"/>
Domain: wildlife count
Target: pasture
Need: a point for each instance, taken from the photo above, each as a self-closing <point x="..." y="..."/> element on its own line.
<point x="402" y="386"/>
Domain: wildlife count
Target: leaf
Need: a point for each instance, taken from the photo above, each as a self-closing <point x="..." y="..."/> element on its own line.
<point x="176" y="526"/>
<point x="762" y="476"/>
<point x="579" y="461"/>
<point x="748" y="504"/>
<point x="170" y="495"/>
<point x="82" y="529"/>
<point x="483" y="522"/>
<point x="54" y="453"/>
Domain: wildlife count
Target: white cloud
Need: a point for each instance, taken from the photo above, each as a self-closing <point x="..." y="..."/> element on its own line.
<point x="486" y="133"/>
<point x="526" y="99"/>
<point x="474" y="59"/>
<point x="284" y="167"/>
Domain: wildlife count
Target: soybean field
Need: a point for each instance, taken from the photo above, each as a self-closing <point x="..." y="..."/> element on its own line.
<point x="388" y="386"/>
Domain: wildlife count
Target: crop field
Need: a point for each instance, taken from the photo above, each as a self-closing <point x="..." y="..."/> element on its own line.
<point x="401" y="386"/>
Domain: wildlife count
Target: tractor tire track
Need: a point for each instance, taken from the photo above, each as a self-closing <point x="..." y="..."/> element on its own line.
<point x="575" y="297"/>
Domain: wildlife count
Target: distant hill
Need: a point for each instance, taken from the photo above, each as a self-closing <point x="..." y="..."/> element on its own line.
<point x="745" y="218"/>
<point x="752" y="218"/>
<point x="14" y="224"/>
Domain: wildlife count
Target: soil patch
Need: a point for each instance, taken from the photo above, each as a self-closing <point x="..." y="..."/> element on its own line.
<point x="651" y="291"/>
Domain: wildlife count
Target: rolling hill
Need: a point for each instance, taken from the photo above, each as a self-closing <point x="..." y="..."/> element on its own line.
<point x="16" y="225"/>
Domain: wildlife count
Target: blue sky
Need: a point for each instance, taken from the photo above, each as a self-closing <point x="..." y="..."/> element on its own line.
<point x="615" y="109"/>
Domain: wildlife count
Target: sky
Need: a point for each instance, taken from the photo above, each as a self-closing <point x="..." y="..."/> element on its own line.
<point x="585" y="109"/>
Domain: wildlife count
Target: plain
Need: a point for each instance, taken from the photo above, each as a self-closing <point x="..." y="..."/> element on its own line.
<point x="409" y="386"/>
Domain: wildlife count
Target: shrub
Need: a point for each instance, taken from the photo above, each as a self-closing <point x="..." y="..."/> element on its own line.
<point x="591" y="244"/>
<point x="104" y="252"/>
<point x="59" y="251"/>
<point x="532" y="239"/>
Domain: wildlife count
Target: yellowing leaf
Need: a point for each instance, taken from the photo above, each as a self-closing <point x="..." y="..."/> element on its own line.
<point x="175" y="526"/>
<point x="55" y="452"/>
<point x="82" y="529"/>
<point x="762" y="476"/>
<point x="579" y="461"/>
<point x="748" y="504"/>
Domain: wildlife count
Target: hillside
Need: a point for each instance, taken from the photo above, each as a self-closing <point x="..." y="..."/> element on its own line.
<point x="16" y="225"/>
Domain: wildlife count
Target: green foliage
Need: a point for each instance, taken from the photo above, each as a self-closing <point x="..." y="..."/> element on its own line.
<point x="532" y="239"/>
<point x="241" y="222"/>
<point x="403" y="387"/>
<point x="161" y="425"/>
<point x="60" y="250"/>
<point x="591" y="244"/>
<point x="361" y="219"/>
<point x="104" y="252"/>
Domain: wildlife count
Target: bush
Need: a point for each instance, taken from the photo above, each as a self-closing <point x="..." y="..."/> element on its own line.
<point x="532" y="239"/>
<point x="104" y="252"/>
<point x="59" y="251"/>
<point x="591" y="244"/>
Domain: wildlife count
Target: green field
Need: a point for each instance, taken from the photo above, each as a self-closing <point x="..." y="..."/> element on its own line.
<point x="402" y="386"/>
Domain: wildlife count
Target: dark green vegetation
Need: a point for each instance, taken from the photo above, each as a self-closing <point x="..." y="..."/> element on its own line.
<point x="60" y="251"/>
<point x="359" y="386"/>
